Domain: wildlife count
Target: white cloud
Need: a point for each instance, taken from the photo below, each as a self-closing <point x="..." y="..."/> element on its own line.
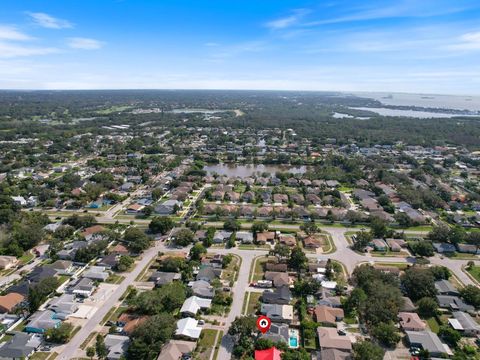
<point x="288" y="21"/>
<point x="468" y="41"/>
<point x="11" y="33"/>
<point x="48" y="21"/>
<point x="10" y="50"/>
<point x="85" y="43"/>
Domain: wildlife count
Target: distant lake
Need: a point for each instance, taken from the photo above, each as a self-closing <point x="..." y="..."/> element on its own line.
<point x="408" y="113"/>
<point x="337" y="115"/>
<point x="200" y="111"/>
<point x="244" y="171"/>
<point x="455" y="102"/>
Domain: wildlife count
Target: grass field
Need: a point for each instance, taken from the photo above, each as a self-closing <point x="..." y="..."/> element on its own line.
<point x="206" y="344"/>
<point x="475" y="272"/>
<point x="257" y="273"/>
<point x="433" y="325"/>
<point x="251" y="302"/>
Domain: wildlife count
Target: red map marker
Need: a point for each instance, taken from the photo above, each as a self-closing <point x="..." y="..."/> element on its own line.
<point x="263" y="324"/>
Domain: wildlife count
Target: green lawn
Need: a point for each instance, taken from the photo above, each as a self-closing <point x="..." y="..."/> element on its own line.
<point x="257" y="273"/>
<point x="475" y="272"/>
<point x="206" y="344"/>
<point x="63" y="279"/>
<point x="25" y="258"/>
<point x="433" y="325"/>
<point x="253" y="302"/>
<point x="115" y="279"/>
<point x="40" y="356"/>
<point x="230" y="273"/>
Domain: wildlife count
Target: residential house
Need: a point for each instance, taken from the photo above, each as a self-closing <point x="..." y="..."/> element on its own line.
<point x="445" y="287"/>
<point x="177" y="350"/>
<point x="40" y="273"/>
<point x="20" y="346"/>
<point x="246" y="237"/>
<point x="109" y="261"/>
<point x="129" y="322"/>
<point x="276" y="266"/>
<point x="287" y="239"/>
<point x="453" y="303"/>
<point x="96" y="273"/>
<point x="10" y="301"/>
<point x="464" y="323"/>
<point x="329" y="338"/>
<point x="188" y="328"/>
<point x="277" y="333"/>
<point x="429" y="341"/>
<point x="119" y="249"/>
<point x="116" y="345"/>
<point x="83" y="288"/>
<point x="202" y="289"/>
<point x="411" y="322"/>
<point x="444" y="248"/>
<point x="407" y="305"/>
<point x="379" y="245"/>
<point x="281" y="295"/>
<point x="278" y="312"/>
<point x="63" y="306"/>
<point x="63" y="267"/>
<point x="265" y="236"/>
<point x="278" y="279"/>
<point x="313" y="242"/>
<point x="193" y="304"/>
<point x="168" y="207"/>
<point x="268" y="354"/>
<point x="468" y="249"/>
<point x="42" y="321"/>
<point x="328" y="315"/>
<point x="162" y="278"/>
<point x="7" y="262"/>
<point x="221" y="236"/>
<point x="331" y="354"/>
<point x="92" y="232"/>
<point x="208" y="274"/>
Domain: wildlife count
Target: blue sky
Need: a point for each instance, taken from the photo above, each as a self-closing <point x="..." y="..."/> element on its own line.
<point x="429" y="46"/>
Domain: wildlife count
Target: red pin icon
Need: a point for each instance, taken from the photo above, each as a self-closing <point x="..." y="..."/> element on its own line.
<point x="263" y="324"/>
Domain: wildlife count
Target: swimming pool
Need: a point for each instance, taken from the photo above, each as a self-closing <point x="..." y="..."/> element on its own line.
<point x="293" y="336"/>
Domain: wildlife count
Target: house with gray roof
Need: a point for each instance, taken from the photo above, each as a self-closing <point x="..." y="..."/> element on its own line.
<point x="20" y="346"/>
<point x="453" y="303"/>
<point x="42" y="321"/>
<point x="277" y="333"/>
<point x="162" y="278"/>
<point x="202" y="289"/>
<point x="84" y="287"/>
<point x="429" y="341"/>
<point x="281" y="295"/>
<point x="445" y="287"/>
<point x="464" y="323"/>
<point x="63" y="306"/>
<point x="208" y="274"/>
<point x="116" y="345"/>
<point x="168" y="207"/>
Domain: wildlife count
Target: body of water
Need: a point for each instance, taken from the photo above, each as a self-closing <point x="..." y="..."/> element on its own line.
<point x="454" y="102"/>
<point x="408" y="113"/>
<point x="244" y="171"/>
<point x="200" y="111"/>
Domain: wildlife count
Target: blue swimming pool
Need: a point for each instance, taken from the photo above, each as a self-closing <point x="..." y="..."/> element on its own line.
<point x="293" y="342"/>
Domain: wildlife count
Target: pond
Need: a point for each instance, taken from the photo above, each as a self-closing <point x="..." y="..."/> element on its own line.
<point x="243" y="171"/>
<point x="408" y="113"/>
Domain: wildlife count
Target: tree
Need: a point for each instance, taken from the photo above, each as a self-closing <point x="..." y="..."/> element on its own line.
<point x="161" y="224"/>
<point x="244" y="326"/>
<point x="231" y="225"/>
<point x="197" y="251"/>
<point x="440" y="272"/>
<point x="124" y="263"/>
<point x="183" y="237"/>
<point x="449" y="335"/>
<point x="361" y="240"/>
<point x="136" y="239"/>
<point x="386" y="334"/>
<point x="418" y="283"/>
<point x="167" y="298"/>
<point x="259" y="226"/>
<point x="309" y="227"/>
<point x="378" y="227"/>
<point x="281" y="251"/>
<point x="422" y="248"/>
<point x="366" y="350"/>
<point x="439" y="233"/>
<point x="473" y="238"/>
<point x="471" y="294"/>
<point x="91" y="352"/>
<point x="305" y="287"/>
<point x="231" y="242"/>
<point x="227" y="259"/>
<point x="149" y="337"/>
<point x="355" y="301"/>
<point x="298" y="260"/>
<point x="427" y="307"/>
<point x="37" y="294"/>
<point x="100" y="347"/>
<point x="59" y="335"/>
